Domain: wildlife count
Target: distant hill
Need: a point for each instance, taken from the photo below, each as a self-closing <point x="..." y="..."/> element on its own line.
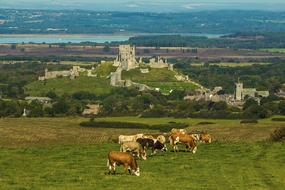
<point x="163" y="79"/>
<point x="93" y="22"/>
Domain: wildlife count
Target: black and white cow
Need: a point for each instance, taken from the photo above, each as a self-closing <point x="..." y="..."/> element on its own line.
<point x="151" y="143"/>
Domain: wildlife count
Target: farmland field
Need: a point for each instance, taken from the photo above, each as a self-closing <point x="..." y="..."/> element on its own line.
<point x="58" y="154"/>
<point x="274" y="50"/>
<point x="231" y="64"/>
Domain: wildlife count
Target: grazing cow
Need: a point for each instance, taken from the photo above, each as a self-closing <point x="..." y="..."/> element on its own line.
<point x="148" y="137"/>
<point x="202" y="137"/>
<point x="205" y="137"/>
<point x="159" y="137"/>
<point x="125" y="159"/>
<point x="186" y="139"/>
<point x="129" y="138"/>
<point x="134" y="148"/>
<point x="182" y="131"/>
<point x="153" y="144"/>
<point x="196" y="136"/>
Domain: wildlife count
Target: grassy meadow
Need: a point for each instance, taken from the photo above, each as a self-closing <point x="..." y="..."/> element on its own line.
<point x="158" y="78"/>
<point x="64" y="85"/>
<point x="58" y="154"/>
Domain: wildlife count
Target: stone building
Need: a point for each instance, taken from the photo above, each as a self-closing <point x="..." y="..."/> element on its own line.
<point x="91" y="109"/>
<point x="72" y="73"/>
<point x="242" y="92"/>
<point x="126" y="58"/>
<point x="160" y="63"/>
<point x="116" y="77"/>
<point x="43" y="100"/>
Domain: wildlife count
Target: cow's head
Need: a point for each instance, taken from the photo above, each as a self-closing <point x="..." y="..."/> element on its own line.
<point x="160" y="146"/>
<point x="143" y="154"/>
<point x="137" y="172"/>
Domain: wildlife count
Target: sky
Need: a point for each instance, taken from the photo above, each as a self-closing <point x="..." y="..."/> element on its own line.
<point x="147" y="5"/>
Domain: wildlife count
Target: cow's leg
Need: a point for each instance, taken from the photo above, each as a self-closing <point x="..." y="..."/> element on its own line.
<point x="176" y="148"/>
<point x="189" y="146"/>
<point x="109" y="166"/>
<point x="122" y="149"/>
<point x="194" y="149"/>
<point x="113" y="168"/>
<point x="153" y="151"/>
<point x="127" y="168"/>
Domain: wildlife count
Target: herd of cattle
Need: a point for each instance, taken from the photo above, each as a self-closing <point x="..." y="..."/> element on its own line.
<point x="137" y="145"/>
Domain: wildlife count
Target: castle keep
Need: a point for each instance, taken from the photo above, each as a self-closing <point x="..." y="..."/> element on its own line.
<point x="126" y="58"/>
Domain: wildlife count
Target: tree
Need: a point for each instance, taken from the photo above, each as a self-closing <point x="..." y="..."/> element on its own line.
<point x="249" y="102"/>
<point x="218" y="106"/>
<point x="13" y="46"/>
<point x="106" y="48"/>
<point x="51" y="94"/>
<point x="282" y="107"/>
<point x="61" y="107"/>
<point x="256" y="111"/>
<point x="35" y="109"/>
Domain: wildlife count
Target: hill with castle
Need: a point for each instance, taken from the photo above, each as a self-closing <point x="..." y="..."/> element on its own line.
<point x="125" y="71"/>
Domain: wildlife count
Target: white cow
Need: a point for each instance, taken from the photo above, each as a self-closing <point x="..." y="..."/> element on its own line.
<point x="129" y="138"/>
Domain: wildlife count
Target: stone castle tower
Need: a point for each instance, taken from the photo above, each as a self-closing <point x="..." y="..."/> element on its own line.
<point x="239" y="89"/>
<point x="126" y="58"/>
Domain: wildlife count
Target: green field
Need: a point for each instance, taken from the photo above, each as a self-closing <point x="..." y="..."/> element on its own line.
<point x="104" y="69"/>
<point x="99" y="85"/>
<point x="154" y="75"/>
<point x="231" y="64"/>
<point x="58" y="154"/>
<point x="274" y="50"/>
<point x="214" y="166"/>
<point x="63" y="85"/>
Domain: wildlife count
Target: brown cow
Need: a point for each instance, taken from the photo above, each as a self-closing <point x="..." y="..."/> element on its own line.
<point x="186" y="139"/>
<point x="205" y="137"/>
<point x="125" y="159"/>
<point x="201" y="137"/>
<point x="174" y="130"/>
<point x="135" y="148"/>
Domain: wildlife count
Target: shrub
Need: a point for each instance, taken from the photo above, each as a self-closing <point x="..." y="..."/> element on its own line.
<point x="125" y="125"/>
<point x="206" y="123"/>
<point x="278" y="135"/>
<point x="248" y="121"/>
<point x="278" y="119"/>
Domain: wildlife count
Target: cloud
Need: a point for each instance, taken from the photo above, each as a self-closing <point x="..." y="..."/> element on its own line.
<point x="191" y="6"/>
<point x="132" y="5"/>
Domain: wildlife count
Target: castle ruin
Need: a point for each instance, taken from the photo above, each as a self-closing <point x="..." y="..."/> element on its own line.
<point x="126" y="58"/>
<point x="72" y="73"/>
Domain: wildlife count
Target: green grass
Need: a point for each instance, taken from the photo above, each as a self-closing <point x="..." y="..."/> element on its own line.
<point x="274" y="50"/>
<point x="165" y="87"/>
<point x="158" y="78"/>
<point x="58" y="154"/>
<point x="60" y="86"/>
<point x="230" y="165"/>
<point x="154" y="75"/>
<point x="104" y="69"/>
